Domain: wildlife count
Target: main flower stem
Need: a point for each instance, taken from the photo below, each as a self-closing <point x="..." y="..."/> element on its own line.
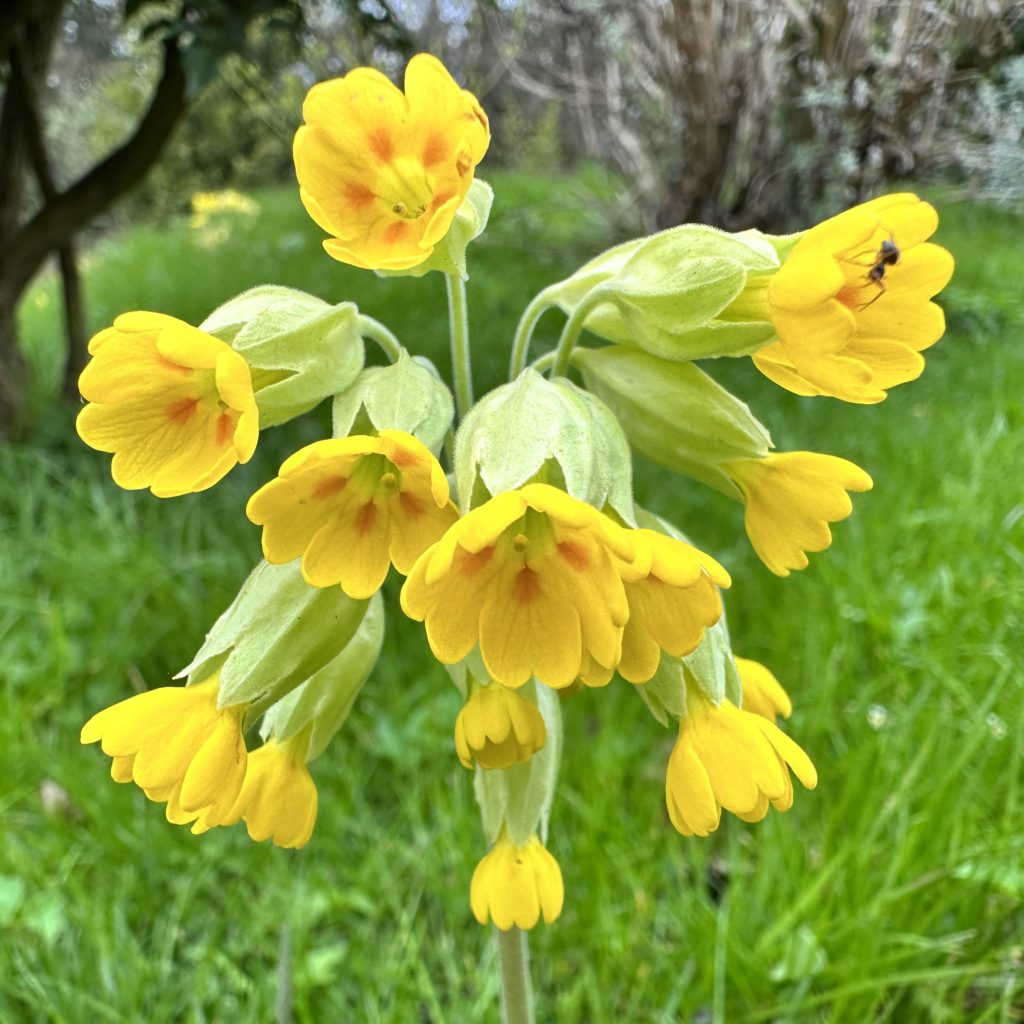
<point x="458" y="322"/>
<point x="516" y="993"/>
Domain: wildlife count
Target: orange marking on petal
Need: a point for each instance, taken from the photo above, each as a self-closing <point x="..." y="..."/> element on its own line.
<point x="396" y="231"/>
<point x="403" y="458"/>
<point x="164" y="363"/>
<point x="440" y="199"/>
<point x="329" y="487"/>
<point x="382" y="144"/>
<point x="182" y="410"/>
<point x="469" y="564"/>
<point x="225" y="428"/>
<point x="434" y="150"/>
<point x="526" y="587"/>
<point x="412" y="507"/>
<point x="574" y="554"/>
<point x="358" y="195"/>
<point x="366" y="517"/>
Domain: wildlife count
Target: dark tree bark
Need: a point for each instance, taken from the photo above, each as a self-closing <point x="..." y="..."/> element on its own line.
<point x="53" y="227"/>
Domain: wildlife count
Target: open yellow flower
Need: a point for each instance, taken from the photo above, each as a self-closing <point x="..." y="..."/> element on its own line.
<point x="498" y="728"/>
<point x="384" y="171"/>
<point x="353" y="506"/>
<point x="790" y="498"/>
<point x="732" y="759"/>
<point x="672" y="589"/>
<point x="851" y="303"/>
<point x="173" y="404"/>
<point x="762" y="693"/>
<point x="514" y="886"/>
<point x="278" y="799"/>
<point x="529" y="575"/>
<point x="178" y="746"/>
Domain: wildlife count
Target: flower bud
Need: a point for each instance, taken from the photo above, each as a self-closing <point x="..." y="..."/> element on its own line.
<point x="498" y="727"/>
<point x="299" y="349"/>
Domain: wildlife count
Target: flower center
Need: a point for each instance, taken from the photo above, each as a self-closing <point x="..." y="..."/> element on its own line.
<point x="405" y="188"/>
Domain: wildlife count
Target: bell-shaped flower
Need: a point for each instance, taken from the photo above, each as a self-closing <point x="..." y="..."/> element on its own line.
<point x="852" y="302"/>
<point x="515" y="885"/>
<point x="530" y="576"/>
<point x="173" y="404"/>
<point x="762" y="693"/>
<point x="728" y="758"/>
<point x="384" y="171"/>
<point x="497" y="728"/>
<point x="353" y="506"/>
<point x="178" y="746"/>
<point x="790" y="498"/>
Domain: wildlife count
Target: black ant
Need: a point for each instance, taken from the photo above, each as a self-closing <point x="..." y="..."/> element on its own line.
<point x="888" y="255"/>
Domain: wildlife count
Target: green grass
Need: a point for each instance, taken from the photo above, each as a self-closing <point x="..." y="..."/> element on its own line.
<point x="892" y="893"/>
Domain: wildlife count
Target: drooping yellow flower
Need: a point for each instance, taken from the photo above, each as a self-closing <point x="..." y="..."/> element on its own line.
<point x="531" y="576"/>
<point x="178" y="746"/>
<point x="351" y="507"/>
<point x="851" y="303"/>
<point x="762" y="693"/>
<point x="728" y="758"/>
<point x="173" y="404"/>
<point x="278" y="799"/>
<point x="498" y="728"/>
<point x="672" y="589"/>
<point x="384" y="171"/>
<point x="790" y="498"/>
<point x="514" y="886"/>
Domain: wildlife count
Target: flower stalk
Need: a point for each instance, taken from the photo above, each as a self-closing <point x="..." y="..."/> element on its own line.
<point x="458" y="322"/>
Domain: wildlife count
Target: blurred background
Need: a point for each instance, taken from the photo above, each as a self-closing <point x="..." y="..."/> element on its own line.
<point x="145" y="164"/>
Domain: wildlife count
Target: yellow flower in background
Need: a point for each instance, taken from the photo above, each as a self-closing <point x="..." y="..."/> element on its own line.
<point x="851" y="303"/>
<point x="278" y="799"/>
<point x="384" y="171"/>
<point x="352" y="507"/>
<point x="790" y="498"/>
<point x="514" y="886"/>
<point x="728" y="758"/>
<point x="178" y="746"/>
<point x="498" y="728"/>
<point x="173" y="404"/>
<point x="672" y="589"/>
<point x="530" y="576"/>
<point x="762" y="693"/>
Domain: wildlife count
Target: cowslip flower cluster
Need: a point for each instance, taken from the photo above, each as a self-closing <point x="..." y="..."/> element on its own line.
<point x="510" y="520"/>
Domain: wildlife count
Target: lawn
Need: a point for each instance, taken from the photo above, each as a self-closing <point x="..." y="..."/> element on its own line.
<point x="891" y="893"/>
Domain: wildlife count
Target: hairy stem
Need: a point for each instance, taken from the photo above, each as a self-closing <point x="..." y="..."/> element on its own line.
<point x="458" y="322"/>
<point x="516" y="993"/>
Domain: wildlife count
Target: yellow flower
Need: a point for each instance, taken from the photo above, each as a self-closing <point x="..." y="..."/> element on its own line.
<point x="762" y="693"/>
<point x="513" y="886"/>
<point x="530" y="576"/>
<point x="498" y="728"/>
<point x="351" y="507"/>
<point x="278" y="799"/>
<point x="790" y="499"/>
<point x="851" y="302"/>
<point x="174" y="405"/>
<point x="672" y="589"/>
<point x="382" y="171"/>
<point x="178" y="746"/>
<point x="732" y="759"/>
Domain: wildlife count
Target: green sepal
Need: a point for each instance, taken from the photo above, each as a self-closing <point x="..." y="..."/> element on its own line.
<point x="408" y="395"/>
<point x="782" y="244"/>
<point x="324" y="701"/>
<point x="674" y="413"/>
<point x="518" y="799"/>
<point x="276" y="633"/>
<point x="671" y="297"/>
<point x="534" y="429"/>
<point x="299" y="349"/>
<point x="449" y="255"/>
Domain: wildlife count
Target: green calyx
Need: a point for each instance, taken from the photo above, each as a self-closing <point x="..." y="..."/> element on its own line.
<point x="299" y="349"/>
<point x="536" y="430"/>
<point x="408" y="395"/>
